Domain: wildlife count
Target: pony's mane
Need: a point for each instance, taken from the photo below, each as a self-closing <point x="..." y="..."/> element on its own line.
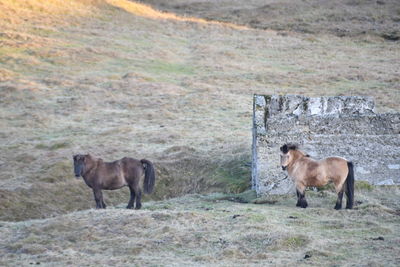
<point x="292" y="146"/>
<point x="289" y="146"/>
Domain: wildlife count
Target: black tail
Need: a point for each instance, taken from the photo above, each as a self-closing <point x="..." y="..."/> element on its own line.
<point x="149" y="176"/>
<point x="350" y="186"/>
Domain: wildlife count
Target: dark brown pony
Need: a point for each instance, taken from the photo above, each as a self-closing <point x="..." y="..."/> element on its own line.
<point x="99" y="175"/>
<point x="306" y="171"/>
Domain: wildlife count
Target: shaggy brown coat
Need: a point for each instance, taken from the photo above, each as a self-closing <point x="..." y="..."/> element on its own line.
<point x="306" y="172"/>
<point x="130" y="172"/>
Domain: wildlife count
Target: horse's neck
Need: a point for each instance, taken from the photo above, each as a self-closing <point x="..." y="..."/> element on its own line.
<point x="298" y="158"/>
<point x="91" y="167"/>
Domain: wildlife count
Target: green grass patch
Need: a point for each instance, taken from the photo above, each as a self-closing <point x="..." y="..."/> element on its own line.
<point x="159" y="67"/>
<point x="235" y="175"/>
<point x="358" y="185"/>
<point x="293" y="242"/>
<point x="10" y="50"/>
<point x="57" y="172"/>
<point x="44" y="32"/>
<point x="54" y="146"/>
<point x="257" y="218"/>
<point x="363" y="185"/>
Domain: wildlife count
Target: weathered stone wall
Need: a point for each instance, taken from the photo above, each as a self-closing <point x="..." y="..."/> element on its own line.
<point x="323" y="126"/>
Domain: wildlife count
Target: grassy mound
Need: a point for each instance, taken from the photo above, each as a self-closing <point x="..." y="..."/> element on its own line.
<point x="208" y="231"/>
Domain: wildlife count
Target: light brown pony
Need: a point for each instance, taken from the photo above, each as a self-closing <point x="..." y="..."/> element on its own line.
<point x="99" y="175"/>
<point x="306" y="171"/>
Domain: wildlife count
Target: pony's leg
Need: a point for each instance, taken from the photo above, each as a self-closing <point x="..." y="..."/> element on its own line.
<point x="339" y="187"/>
<point x="132" y="199"/>
<point x="138" y="199"/>
<point x="298" y="198"/>
<point x="302" y="197"/>
<point x="98" y="197"/>
<point x="338" y="205"/>
<point x="303" y="201"/>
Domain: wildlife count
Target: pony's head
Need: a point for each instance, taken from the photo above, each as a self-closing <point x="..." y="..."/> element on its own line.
<point x="286" y="156"/>
<point x="79" y="164"/>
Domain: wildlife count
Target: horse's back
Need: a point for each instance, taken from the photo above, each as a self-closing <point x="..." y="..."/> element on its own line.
<point x="335" y="161"/>
<point x="109" y="175"/>
<point x="336" y="166"/>
<point x="108" y="168"/>
<point x="131" y="162"/>
<point x="116" y="174"/>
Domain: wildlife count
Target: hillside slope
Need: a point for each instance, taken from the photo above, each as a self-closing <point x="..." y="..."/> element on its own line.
<point x="117" y="78"/>
<point x="355" y="18"/>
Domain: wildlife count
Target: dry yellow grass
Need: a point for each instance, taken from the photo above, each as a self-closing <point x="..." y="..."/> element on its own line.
<point x="207" y="231"/>
<point x="143" y="10"/>
<point x="118" y="78"/>
<point x="92" y="77"/>
<point x="341" y="17"/>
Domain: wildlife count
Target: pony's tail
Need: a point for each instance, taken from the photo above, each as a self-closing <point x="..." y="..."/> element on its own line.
<point x="350" y="186"/>
<point x="149" y="176"/>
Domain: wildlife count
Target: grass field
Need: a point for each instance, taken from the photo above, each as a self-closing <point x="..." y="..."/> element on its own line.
<point x="118" y="78"/>
<point x="354" y="18"/>
<point x="210" y="230"/>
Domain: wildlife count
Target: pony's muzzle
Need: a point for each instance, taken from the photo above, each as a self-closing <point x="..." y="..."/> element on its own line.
<point x="284" y="168"/>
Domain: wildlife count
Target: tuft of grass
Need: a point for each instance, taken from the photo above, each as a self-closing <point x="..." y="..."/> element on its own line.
<point x="54" y="146"/>
<point x="10" y="50"/>
<point x="257" y="218"/>
<point x="327" y="187"/>
<point x="45" y="31"/>
<point x="363" y="185"/>
<point x="358" y="185"/>
<point x="235" y="175"/>
<point x="292" y="242"/>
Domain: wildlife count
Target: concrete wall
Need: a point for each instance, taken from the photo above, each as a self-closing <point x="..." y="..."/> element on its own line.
<point x="323" y="126"/>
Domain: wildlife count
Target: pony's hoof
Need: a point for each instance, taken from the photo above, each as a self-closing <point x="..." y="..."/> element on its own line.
<point x="304" y="205"/>
<point x="138" y="207"/>
<point x="298" y="204"/>
<point x="129" y="207"/>
<point x="337" y="207"/>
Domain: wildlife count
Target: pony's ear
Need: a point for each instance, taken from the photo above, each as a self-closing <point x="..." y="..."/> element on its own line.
<point x="284" y="149"/>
